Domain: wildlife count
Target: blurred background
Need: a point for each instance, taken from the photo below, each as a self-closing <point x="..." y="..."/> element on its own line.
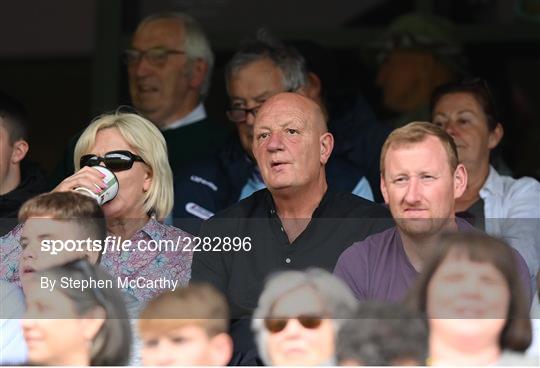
<point x="61" y="58"/>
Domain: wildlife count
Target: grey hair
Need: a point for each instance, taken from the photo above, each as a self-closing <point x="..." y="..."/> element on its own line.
<point x="338" y="299"/>
<point x="383" y="334"/>
<point x="265" y="46"/>
<point x="196" y="42"/>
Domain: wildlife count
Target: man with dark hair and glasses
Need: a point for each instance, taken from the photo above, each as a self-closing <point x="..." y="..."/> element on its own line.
<point x="261" y="68"/>
<point x="169" y="66"/>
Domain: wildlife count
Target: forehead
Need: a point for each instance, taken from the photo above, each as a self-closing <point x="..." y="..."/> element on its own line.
<point x="459" y="261"/>
<point x="427" y="155"/>
<point x="299" y="301"/>
<point x="109" y="139"/>
<point x="61" y="230"/>
<point x="253" y="79"/>
<point x="159" y="33"/>
<point x="280" y="114"/>
<point x="458" y="101"/>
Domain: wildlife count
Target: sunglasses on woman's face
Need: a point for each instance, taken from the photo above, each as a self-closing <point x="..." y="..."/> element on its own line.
<point x="114" y="160"/>
<point x="275" y="325"/>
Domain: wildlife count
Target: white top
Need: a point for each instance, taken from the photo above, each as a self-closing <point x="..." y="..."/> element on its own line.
<point x="12" y="345"/>
<point x="512" y="212"/>
<point x="198" y="114"/>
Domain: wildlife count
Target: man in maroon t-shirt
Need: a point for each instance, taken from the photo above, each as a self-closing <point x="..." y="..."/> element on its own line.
<point x="420" y="180"/>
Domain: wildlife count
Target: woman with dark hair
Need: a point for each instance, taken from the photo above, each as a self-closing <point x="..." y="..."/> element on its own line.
<point x="472" y="296"/>
<point x="500" y="205"/>
<point x="70" y="324"/>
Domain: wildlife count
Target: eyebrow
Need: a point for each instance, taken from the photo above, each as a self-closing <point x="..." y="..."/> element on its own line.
<point x="283" y="125"/>
<point x="265" y="94"/>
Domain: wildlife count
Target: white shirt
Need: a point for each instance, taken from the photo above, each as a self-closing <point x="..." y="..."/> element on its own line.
<point x="512" y="212"/>
<point x="197" y="114"/>
<point x="12" y="345"/>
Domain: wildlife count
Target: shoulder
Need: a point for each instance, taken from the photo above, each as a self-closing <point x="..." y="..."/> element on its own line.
<point x="373" y="243"/>
<point x="353" y="206"/>
<point x="203" y="173"/>
<point x="252" y="206"/>
<point x="157" y="230"/>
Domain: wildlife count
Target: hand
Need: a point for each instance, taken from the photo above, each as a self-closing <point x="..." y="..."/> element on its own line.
<point x="86" y="177"/>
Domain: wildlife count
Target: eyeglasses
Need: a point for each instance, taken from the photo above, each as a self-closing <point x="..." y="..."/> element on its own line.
<point x="275" y="325"/>
<point x="238" y="114"/>
<point x="157" y="56"/>
<point x="114" y="160"/>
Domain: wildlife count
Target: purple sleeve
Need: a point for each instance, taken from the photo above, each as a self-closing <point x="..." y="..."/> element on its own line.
<point x="524" y="275"/>
<point x="351" y="267"/>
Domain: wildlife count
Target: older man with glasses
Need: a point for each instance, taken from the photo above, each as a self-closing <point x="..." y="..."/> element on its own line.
<point x="262" y="68"/>
<point x="169" y="66"/>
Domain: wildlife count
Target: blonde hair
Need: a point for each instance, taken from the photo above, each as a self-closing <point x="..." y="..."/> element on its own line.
<point x="148" y="143"/>
<point x="197" y="304"/>
<point x="417" y="132"/>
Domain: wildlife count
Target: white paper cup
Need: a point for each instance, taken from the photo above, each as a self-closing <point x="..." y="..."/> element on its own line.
<point x="108" y="193"/>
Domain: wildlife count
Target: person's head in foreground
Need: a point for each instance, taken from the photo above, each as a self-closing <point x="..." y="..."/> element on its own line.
<point x="472" y="296"/>
<point x="53" y="220"/>
<point x="298" y="317"/>
<point x="135" y="150"/>
<point x="291" y="144"/>
<point x="72" y="325"/>
<point x="383" y="334"/>
<point x="421" y="178"/>
<point x="187" y="326"/>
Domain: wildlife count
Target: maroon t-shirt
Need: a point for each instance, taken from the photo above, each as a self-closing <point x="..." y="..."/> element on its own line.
<point x="377" y="268"/>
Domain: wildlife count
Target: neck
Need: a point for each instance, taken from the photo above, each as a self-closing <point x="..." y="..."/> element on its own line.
<point x="447" y="352"/>
<point x="419" y="247"/>
<point x="81" y="359"/>
<point x="126" y="228"/>
<point x="477" y="174"/>
<point x="295" y="209"/>
<point x="11" y="181"/>
<point x="190" y="102"/>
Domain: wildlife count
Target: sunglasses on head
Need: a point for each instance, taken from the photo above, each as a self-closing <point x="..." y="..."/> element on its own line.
<point x="114" y="160"/>
<point x="275" y="325"/>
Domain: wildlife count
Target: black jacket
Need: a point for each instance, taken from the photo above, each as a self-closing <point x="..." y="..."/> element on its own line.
<point x="209" y="186"/>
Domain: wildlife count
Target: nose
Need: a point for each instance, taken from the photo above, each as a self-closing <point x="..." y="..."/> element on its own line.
<point x="141" y="68"/>
<point x="413" y="191"/>
<point x="293" y="327"/>
<point x="163" y="355"/>
<point x="28" y="253"/>
<point x="275" y="142"/>
<point x="28" y="323"/>
<point x="450" y="128"/>
<point x="250" y="118"/>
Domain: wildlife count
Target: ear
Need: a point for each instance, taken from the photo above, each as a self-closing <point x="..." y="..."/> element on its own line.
<point x="495" y="136"/>
<point x="20" y="149"/>
<point x="221" y="349"/>
<point x="313" y="87"/>
<point x="148" y="176"/>
<point x="460" y="181"/>
<point x="326" y="142"/>
<point x="92" y="322"/>
<point x="384" y="189"/>
<point x="198" y="73"/>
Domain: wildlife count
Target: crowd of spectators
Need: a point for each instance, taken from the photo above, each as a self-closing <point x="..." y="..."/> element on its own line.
<point x="312" y="235"/>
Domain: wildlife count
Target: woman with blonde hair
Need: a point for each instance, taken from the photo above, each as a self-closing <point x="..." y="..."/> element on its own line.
<point x="135" y="151"/>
